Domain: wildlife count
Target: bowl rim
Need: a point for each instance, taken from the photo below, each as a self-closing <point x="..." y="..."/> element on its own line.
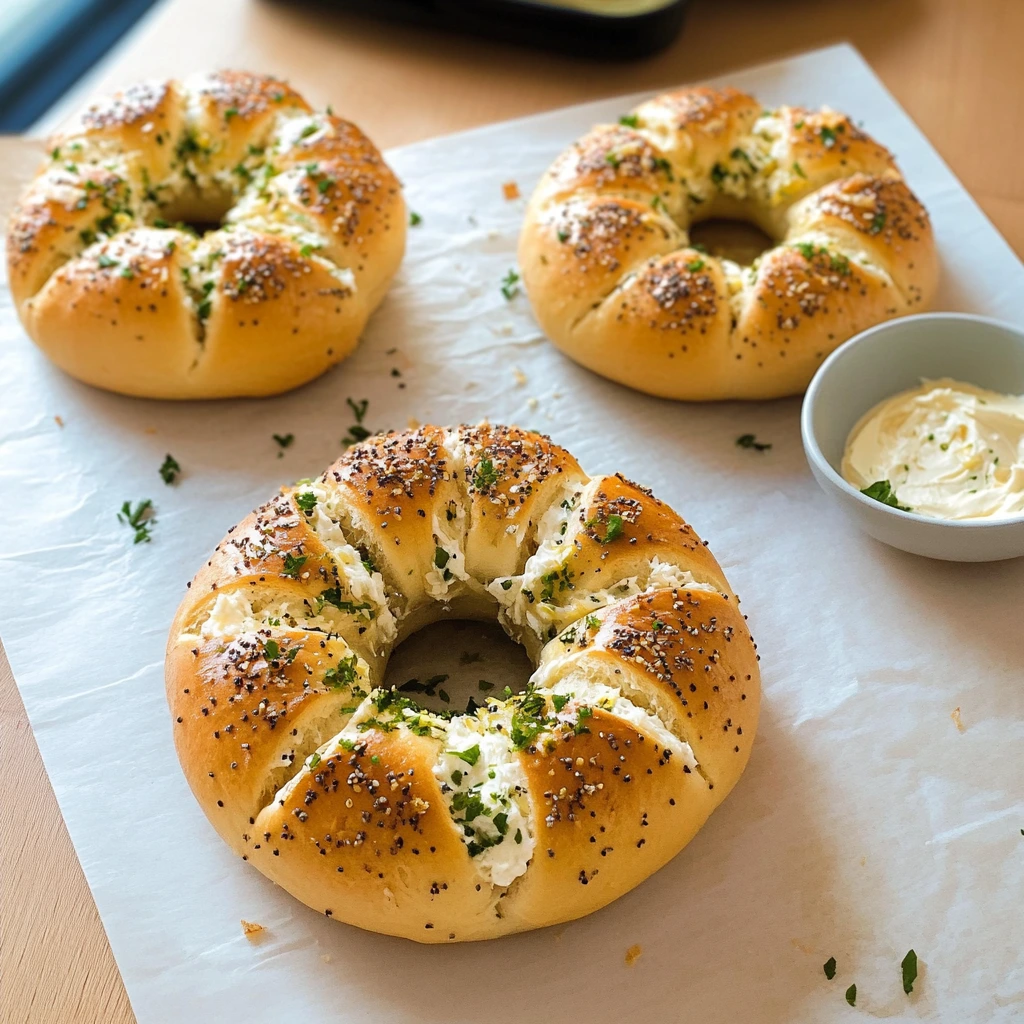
<point x="817" y="459"/>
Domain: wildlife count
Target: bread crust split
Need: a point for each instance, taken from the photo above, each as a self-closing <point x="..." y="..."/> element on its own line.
<point x="614" y="282"/>
<point x="530" y="810"/>
<point x="308" y="230"/>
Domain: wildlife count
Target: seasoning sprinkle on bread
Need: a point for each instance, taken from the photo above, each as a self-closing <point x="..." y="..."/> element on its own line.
<point x="525" y="811"/>
<point x="615" y="283"/>
<point x="113" y="281"/>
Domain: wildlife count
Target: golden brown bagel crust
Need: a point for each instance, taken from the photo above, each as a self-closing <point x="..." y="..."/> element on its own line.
<point x="362" y="804"/>
<point x="120" y="294"/>
<point x="605" y="256"/>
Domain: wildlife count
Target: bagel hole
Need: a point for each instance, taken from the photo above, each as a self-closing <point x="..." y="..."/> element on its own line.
<point x="457" y="659"/>
<point x="196" y="212"/>
<point x="736" y="240"/>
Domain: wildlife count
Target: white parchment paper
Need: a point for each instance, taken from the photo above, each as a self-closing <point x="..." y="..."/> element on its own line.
<point x="866" y="824"/>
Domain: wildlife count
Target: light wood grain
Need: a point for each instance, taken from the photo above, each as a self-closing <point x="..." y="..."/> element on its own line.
<point x="953" y="64"/>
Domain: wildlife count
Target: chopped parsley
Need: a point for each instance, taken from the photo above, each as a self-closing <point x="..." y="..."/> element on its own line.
<point x="343" y="674"/>
<point x="593" y="622"/>
<point x="230" y="113"/>
<point x="560" y="578"/>
<point x="441" y="560"/>
<point x="470" y="756"/>
<point x="528" y="719"/>
<point x="415" y="220"/>
<point x="613" y="159"/>
<point x="694" y="265"/>
<point x="877" y="223"/>
<point x="357" y="432"/>
<point x="751" y="441"/>
<point x="292" y="565"/>
<point x="313" y="760"/>
<point x="306" y="501"/>
<point x="629" y="120"/>
<point x="881" y="491"/>
<point x="797" y="169"/>
<point x="559" y="700"/>
<point x="284" y="440"/>
<point x="106" y="261"/>
<point x="828" y="139"/>
<point x="829" y="967"/>
<point x="510" y="285"/>
<point x="429" y="687"/>
<point x="851" y="995"/>
<point x="141" y="519"/>
<point x="169" y="469"/>
<point x="613" y="528"/>
<point x="358" y="408"/>
<point x="332" y="596"/>
<point x="272" y="649"/>
<point x="485" y="475"/>
<point x="909" y="966"/>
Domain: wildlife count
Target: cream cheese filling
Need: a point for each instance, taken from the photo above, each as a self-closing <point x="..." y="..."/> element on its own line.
<point x="946" y="449"/>
<point x="486" y="790"/>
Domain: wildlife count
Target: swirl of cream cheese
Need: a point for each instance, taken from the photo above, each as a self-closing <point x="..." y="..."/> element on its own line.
<point x="948" y="449"/>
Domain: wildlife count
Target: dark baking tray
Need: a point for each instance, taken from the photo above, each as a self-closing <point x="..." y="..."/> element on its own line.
<point x="544" y="26"/>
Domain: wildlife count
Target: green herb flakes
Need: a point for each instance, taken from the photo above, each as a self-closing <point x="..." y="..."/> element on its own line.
<point x="306" y="501"/>
<point x="829" y="967"/>
<point x="485" y="475"/>
<point x="292" y="565"/>
<point x="629" y="120"/>
<point x="882" y="491"/>
<point x="751" y="441"/>
<point x="415" y="220"/>
<point x="851" y="995"/>
<point x="141" y="519"/>
<point x="470" y="756"/>
<point x="909" y="967"/>
<point x="169" y="469"/>
<point x="510" y="285"/>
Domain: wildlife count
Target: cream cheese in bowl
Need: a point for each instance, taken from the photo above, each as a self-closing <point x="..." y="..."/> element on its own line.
<point x="944" y="449"/>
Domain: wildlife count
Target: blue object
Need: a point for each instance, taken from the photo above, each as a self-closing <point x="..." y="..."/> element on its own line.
<point x="57" y="53"/>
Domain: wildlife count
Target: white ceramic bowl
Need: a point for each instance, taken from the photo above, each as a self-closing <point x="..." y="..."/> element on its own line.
<point x="890" y="358"/>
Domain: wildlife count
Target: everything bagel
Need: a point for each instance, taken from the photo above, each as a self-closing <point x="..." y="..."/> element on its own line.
<point x="607" y="262"/>
<point x="307" y="229"/>
<point x="532" y="809"/>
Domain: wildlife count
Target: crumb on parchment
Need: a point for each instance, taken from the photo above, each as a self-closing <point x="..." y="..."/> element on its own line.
<point x="957" y="720"/>
<point x="633" y="954"/>
<point x="510" y="190"/>
<point x="59" y="420"/>
<point x="520" y="377"/>
<point x="250" y="929"/>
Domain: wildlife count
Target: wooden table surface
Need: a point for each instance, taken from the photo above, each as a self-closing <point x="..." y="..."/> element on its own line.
<point x="953" y="64"/>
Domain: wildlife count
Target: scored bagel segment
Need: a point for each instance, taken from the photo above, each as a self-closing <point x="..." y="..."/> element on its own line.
<point x="608" y="541"/>
<point x="281" y="566"/>
<point x="684" y="654"/>
<point x="512" y="477"/>
<point x="310" y="230"/>
<point x="607" y="263"/>
<point x="249" y="708"/>
<point x="527" y="810"/>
